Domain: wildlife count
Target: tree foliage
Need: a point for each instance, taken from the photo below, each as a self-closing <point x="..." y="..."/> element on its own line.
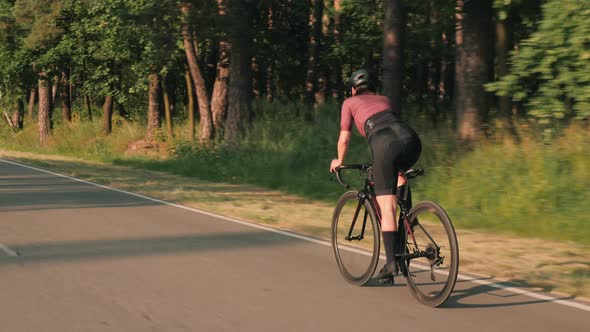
<point x="110" y="47"/>
<point x="549" y="73"/>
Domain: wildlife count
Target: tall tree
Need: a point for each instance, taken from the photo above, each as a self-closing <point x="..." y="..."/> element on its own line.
<point x="315" y="23"/>
<point x="219" y="97"/>
<point x="191" y="51"/>
<point x="31" y="104"/>
<point x="153" y="106"/>
<point x="107" y="114"/>
<point x="44" y="116"/>
<point x="167" y="110"/>
<point x="336" y="73"/>
<point x="156" y="22"/>
<point x="240" y="71"/>
<point x="270" y="89"/>
<point x="190" y="105"/>
<point x="393" y="51"/>
<point x="322" y="68"/>
<point x="472" y="65"/>
<point x="64" y="97"/>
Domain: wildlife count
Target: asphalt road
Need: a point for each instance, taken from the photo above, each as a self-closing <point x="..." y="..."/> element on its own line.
<point x="79" y="257"/>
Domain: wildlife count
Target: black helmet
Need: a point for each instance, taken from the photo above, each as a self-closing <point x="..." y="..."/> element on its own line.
<point x="358" y="78"/>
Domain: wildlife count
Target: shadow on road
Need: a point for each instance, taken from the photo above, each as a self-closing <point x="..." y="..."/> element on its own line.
<point x="35" y="192"/>
<point x="119" y="248"/>
<point x="466" y="293"/>
<point x="460" y="299"/>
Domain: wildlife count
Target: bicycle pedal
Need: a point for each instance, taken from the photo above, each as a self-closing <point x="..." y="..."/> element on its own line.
<point x="386" y="281"/>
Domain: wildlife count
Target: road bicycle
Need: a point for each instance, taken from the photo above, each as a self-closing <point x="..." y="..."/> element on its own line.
<point x="428" y="254"/>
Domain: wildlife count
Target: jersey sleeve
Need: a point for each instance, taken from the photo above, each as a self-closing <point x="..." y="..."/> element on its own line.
<point x="345" y="117"/>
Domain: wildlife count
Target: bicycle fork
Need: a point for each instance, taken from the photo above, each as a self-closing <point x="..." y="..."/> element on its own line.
<point x="361" y="201"/>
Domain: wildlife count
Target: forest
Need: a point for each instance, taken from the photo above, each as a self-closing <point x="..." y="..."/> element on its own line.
<point x="248" y="91"/>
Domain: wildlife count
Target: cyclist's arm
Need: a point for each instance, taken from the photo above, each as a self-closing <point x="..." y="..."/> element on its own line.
<point x="343" y="141"/>
<point x="345" y="133"/>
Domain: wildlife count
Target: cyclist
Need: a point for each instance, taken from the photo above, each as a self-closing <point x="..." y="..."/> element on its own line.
<point x="394" y="147"/>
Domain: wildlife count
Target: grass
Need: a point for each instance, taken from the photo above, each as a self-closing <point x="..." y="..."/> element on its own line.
<point x="530" y="188"/>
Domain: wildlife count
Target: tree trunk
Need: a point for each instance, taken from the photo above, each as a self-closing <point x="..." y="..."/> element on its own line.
<point x="44" y="116"/>
<point x="64" y="96"/>
<point x="336" y="74"/>
<point x="504" y="104"/>
<point x="167" y="111"/>
<point x="320" y="95"/>
<point x="473" y="46"/>
<point x="31" y="106"/>
<point x="313" y="50"/>
<point x="54" y="88"/>
<point x="436" y="57"/>
<point x="393" y="51"/>
<point x="269" y="65"/>
<point x="269" y="83"/>
<point x="153" y="106"/>
<point x="19" y="114"/>
<point x="15" y="119"/>
<point x="206" y="124"/>
<point x="322" y="70"/>
<point x="420" y="81"/>
<point x="122" y="112"/>
<point x="255" y="78"/>
<point x="191" y="105"/>
<point x="71" y="88"/>
<point x="107" y="114"/>
<point x="447" y="73"/>
<point x="219" y="97"/>
<point x="88" y="106"/>
<point x="238" y="110"/>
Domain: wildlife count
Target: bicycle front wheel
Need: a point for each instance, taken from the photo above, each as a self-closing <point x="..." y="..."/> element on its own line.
<point x="355" y="238"/>
<point x="433" y="273"/>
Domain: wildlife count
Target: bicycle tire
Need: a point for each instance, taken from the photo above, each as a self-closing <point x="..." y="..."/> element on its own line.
<point x="437" y="298"/>
<point x="341" y="224"/>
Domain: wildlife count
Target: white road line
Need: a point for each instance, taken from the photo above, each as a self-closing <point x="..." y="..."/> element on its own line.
<point x="525" y="292"/>
<point x="7" y="250"/>
<point x="476" y="280"/>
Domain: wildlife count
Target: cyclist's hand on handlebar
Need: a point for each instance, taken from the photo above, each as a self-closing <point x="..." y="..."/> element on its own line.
<point x="335" y="163"/>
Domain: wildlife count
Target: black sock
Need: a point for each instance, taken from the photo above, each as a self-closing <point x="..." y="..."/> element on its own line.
<point x="389" y="244"/>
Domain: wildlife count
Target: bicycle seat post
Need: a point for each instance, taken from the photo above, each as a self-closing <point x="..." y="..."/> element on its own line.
<point x="404" y="192"/>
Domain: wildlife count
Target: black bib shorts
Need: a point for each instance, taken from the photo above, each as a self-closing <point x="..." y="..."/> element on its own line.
<point x="394" y="147"/>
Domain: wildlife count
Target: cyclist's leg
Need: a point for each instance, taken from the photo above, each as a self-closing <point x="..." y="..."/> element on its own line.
<point x="385" y="150"/>
<point x="407" y="159"/>
<point x="388" y="205"/>
<point x="401" y="180"/>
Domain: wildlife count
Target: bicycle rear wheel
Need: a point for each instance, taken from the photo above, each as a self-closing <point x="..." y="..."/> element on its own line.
<point x="432" y="277"/>
<point x="355" y="238"/>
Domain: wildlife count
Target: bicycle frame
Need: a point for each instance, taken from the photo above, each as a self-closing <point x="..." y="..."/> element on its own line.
<point x="367" y="193"/>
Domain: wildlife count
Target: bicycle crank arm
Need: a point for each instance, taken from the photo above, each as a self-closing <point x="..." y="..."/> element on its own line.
<point x="412" y="255"/>
<point x="350" y="238"/>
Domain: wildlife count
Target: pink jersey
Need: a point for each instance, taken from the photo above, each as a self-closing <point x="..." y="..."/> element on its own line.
<point x="361" y="107"/>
